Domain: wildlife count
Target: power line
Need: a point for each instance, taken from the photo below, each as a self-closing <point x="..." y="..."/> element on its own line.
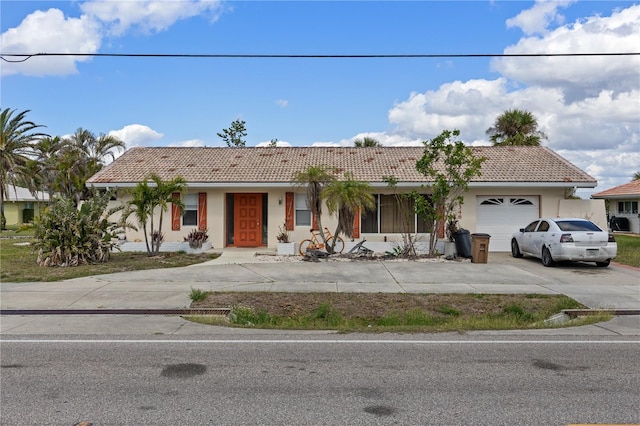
<point x="26" y="56"/>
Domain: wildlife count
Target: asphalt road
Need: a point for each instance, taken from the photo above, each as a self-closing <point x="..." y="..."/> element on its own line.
<point x="320" y="379"/>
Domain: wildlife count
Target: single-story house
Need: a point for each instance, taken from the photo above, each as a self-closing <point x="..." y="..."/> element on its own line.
<point x="22" y="206"/>
<point x="243" y="196"/>
<point x="623" y="206"/>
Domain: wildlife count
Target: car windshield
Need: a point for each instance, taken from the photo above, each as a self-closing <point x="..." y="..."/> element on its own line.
<point x="577" y="225"/>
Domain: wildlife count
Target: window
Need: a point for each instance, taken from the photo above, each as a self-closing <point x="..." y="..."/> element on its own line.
<point x="303" y="214"/>
<point x="190" y="216"/>
<point x="627" y="207"/>
<point x="393" y="216"/>
<point x="544" y="226"/>
<point x="532" y="226"/>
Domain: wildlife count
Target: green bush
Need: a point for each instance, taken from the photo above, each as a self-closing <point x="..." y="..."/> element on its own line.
<point x="68" y="236"/>
<point x="198" y="295"/>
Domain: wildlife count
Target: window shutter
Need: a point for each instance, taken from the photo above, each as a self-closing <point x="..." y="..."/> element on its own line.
<point x="440" y="230"/>
<point x="356" y="225"/>
<point x="175" y="213"/>
<point x="202" y="211"/>
<point x="289" y="211"/>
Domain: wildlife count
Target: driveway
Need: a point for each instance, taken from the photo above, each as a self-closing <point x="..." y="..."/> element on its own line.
<point x="613" y="287"/>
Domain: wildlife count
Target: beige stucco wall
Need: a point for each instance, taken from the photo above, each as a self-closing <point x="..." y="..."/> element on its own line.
<point x="593" y="210"/>
<point x="550" y="202"/>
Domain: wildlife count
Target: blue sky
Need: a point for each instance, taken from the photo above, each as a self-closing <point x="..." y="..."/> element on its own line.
<point x="589" y="107"/>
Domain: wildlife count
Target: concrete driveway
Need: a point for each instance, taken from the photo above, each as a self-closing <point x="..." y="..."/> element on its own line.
<point x="613" y="287"/>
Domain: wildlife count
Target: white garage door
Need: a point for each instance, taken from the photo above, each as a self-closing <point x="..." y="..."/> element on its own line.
<point x="500" y="216"/>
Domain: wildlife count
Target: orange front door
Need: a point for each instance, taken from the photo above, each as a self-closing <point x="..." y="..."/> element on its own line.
<point x="247" y="217"/>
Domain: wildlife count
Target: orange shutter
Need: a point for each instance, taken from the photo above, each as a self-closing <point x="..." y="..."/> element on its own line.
<point x="289" y="209"/>
<point x="202" y="211"/>
<point x="356" y="225"/>
<point x="440" y="230"/>
<point x="175" y="213"/>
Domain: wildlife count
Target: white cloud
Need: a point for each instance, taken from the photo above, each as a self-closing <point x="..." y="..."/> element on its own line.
<point x="148" y="16"/>
<point x="189" y="143"/>
<point x="136" y="134"/>
<point x="282" y="103"/>
<point x="50" y="32"/>
<point x="588" y="107"/>
<point x="539" y="17"/>
<point x="581" y="77"/>
<point x="278" y="143"/>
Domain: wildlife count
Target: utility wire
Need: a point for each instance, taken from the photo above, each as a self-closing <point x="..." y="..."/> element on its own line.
<point x="26" y="56"/>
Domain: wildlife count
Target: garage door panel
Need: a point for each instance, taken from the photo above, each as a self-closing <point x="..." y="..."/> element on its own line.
<point x="501" y="216"/>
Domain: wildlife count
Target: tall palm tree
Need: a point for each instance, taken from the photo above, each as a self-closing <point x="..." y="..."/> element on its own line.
<point x="17" y="136"/>
<point x="636" y="176"/>
<point x="515" y="127"/>
<point x="48" y="150"/>
<point x="96" y="150"/>
<point x="85" y="155"/>
<point x="347" y="197"/>
<point x="314" y="179"/>
<point x="366" y="142"/>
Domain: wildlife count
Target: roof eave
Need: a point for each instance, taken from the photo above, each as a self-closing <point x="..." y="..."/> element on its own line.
<point x="373" y="184"/>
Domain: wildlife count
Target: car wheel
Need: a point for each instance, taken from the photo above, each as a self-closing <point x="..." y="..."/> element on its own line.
<point x="603" y="264"/>
<point x="547" y="260"/>
<point x="515" y="250"/>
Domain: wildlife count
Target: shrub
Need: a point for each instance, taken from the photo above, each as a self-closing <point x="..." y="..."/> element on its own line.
<point x="283" y="235"/>
<point x="68" y="236"/>
<point x="196" y="238"/>
<point x="198" y="295"/>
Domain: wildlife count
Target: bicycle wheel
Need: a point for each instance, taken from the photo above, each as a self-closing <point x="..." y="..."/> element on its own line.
<point x="339" y="247"/>
<point x="304" y="246"/>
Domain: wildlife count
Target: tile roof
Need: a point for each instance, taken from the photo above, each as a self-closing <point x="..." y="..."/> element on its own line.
<point x="628" y="189"/>
<point x="278" y="164"/>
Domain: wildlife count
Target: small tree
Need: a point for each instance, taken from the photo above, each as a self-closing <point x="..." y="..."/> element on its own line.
<point x="234" y="134"/>
<point x="70" y="236"/>
<point x="406" y="204"/>
<point x="347" y="197"/>
<point x="150" y="194"/>
<point x="449" y="164"/>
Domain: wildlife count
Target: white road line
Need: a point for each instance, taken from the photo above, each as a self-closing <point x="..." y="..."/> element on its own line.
<point x="369" y="342"/>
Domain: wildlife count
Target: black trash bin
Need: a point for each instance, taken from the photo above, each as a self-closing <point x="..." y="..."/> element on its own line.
<point x="463" y="243"/>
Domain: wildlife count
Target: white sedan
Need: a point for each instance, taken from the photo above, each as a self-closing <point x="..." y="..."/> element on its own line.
<point x="553" y="240"/>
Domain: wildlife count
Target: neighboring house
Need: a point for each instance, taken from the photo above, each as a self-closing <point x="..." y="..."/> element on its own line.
<point x="21" y="206"/>
<point x="623" y="206"/>
<point x="243" y="195"/>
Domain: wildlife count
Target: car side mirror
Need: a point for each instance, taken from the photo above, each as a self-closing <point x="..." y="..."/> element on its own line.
<point x="521" y="229"/>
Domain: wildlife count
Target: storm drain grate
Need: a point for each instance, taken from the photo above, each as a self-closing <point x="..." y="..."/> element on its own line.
<point x="187" y="312"/>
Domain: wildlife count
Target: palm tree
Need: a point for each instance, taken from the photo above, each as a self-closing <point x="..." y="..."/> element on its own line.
<point x="17" y="136"/>
<point x="366" y="142"/>
<point x="47" y="151"/>
<point x="347" y="197"/>
<point x="516" y="127"/>
<point x="149" y="194"/>
<point x="164" y="191"/>
<point x="84" y="155"/>
<point x="636" y="176"/>
<point x="96" y="150"/>
<point x="314" y="179"/>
